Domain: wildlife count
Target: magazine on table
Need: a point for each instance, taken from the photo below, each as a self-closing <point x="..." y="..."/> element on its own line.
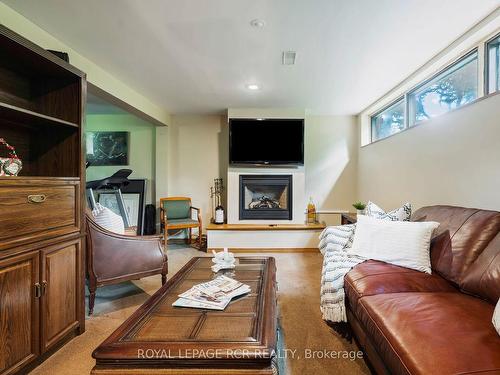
<point x="215" y="294"/>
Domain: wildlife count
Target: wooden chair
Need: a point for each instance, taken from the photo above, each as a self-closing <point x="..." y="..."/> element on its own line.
<point x="177" y="213"/>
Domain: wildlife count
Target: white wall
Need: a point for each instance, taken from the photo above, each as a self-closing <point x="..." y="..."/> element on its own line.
<point x="197" y="153"/>
<point x="161" y="164"/>
<point x="331" y="150"/>
<point x="452" y="159"/>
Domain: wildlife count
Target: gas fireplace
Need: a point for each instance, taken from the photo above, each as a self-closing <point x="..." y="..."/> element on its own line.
<point x="265" y="197"/>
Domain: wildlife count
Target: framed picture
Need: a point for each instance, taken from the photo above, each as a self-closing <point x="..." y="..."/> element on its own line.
<point x="132" y="203"/>
<point x="133" y="196"/>
<point x="107" y="148"/>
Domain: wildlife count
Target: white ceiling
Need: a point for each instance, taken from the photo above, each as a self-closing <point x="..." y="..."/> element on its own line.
<point x="196" y="56"/>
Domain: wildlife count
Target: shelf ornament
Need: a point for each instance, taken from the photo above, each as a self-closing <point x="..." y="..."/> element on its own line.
<point x="11" y="165"/>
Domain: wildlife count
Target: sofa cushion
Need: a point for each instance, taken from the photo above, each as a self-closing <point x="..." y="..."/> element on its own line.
<point x="373" y="277"/>
<point x="418" y="333"/>
<point x="461" y="237"/>
<point x="482" y="277"/>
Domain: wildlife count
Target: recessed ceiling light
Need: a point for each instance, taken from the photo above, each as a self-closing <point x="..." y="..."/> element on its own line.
<point x="257" y="23"/>
<point x="253" y="87"/>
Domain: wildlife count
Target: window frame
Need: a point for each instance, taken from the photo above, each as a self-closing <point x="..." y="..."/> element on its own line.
<point x="385" y="108"/>
<point x="475" y="40"/>
<point x="452" y="64"/>
<point x="486" y="75"/>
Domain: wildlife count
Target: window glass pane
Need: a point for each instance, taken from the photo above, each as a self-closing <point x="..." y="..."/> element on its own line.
<point x="451" y="89"/>
<point x="493" y="49"/>
<point x="389" y="121"/>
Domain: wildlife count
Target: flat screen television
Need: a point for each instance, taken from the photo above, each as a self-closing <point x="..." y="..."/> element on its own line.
<point x="266" y="141"/>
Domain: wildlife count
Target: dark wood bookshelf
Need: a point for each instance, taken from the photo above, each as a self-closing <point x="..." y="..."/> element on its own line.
<point x="41" y="211"/>
<point x="27" y="117"/>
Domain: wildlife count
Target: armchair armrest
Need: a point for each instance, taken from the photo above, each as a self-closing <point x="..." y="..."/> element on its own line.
<point x="163" y="215"/>
<point x="198" y="212"/>
<point x="112" y="255"/>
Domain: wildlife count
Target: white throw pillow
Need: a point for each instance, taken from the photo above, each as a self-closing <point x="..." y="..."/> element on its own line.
<point x="402" y="243"/>
<point x="496" y="317"/>
<point x="108" y="219"/>
<point x="399" y="214"/>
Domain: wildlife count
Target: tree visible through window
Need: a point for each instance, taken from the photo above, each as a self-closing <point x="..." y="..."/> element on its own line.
<point x="451" y="89"/>
<point x="389" y="121"/>
<point x="493" y="49"/>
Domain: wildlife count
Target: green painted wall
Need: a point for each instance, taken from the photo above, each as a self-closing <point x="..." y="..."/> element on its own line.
<point x="141" y="148"/>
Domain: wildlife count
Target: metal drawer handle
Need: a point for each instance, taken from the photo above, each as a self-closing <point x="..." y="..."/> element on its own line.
<point x="38" y="290"/>
<point x="36" y="198"/>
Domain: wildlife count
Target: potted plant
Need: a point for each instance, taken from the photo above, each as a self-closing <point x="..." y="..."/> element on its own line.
<point x="360" y="208"/>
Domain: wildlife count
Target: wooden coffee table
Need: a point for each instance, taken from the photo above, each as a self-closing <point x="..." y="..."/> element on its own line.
<point x="161" y="339"/>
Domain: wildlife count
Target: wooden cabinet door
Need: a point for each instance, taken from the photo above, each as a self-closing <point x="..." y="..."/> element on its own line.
<point x="19" y="311"/>
<point x="60" y="291"/>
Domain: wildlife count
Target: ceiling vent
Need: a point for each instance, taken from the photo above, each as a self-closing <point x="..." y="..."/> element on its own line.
<point x="289" y="57"/>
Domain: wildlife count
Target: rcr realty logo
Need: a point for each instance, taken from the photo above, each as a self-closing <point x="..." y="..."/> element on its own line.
<point x="248" y="354"/>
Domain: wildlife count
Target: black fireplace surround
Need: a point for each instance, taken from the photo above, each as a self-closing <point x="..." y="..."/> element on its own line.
<point x="265" y="197"/>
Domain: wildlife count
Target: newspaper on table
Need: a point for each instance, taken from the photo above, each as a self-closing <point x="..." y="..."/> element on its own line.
<point x="214" y="295"/>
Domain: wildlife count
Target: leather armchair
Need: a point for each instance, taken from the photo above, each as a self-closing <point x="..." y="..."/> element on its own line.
<point x="114" y="258"/>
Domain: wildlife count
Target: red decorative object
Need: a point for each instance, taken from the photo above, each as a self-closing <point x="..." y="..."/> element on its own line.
<point x="12" y="165"/>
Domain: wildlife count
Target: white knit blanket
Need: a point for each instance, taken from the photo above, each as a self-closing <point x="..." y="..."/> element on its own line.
<point x="334" y="243"/>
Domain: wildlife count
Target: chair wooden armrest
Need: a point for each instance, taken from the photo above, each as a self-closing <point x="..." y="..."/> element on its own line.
<point x="163" y="216"/>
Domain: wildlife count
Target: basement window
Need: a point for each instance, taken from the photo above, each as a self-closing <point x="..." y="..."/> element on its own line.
<point x="452" y="88"/>
<point x="388" y="121"/>
<point x="493" y="65"/>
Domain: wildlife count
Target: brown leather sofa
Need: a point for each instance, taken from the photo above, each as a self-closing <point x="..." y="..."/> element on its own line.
<point x="409" y="322"/>
<point x="114" y="258"/>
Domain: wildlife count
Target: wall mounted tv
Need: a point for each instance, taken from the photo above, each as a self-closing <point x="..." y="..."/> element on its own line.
<point x="266" y="141"/>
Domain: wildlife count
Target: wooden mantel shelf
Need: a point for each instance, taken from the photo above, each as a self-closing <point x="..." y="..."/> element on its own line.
<point x="263" y="227"/>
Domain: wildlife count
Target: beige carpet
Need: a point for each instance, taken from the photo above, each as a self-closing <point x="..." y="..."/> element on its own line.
<point x="303" y="330"/>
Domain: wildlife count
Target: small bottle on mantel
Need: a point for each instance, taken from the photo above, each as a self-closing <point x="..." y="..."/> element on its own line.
<point x="219" y="215"/>
<point x="311" y="212"/>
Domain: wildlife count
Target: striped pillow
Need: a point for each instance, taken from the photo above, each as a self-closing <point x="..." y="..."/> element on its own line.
<point x="107" y="219"/>
<point x="402" y="213"/>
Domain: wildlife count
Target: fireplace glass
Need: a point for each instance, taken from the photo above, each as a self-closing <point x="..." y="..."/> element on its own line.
<point x="265" y="197"/>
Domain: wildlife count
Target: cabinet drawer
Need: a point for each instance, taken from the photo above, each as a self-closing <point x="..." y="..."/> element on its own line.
<point x="36" y="211"/>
